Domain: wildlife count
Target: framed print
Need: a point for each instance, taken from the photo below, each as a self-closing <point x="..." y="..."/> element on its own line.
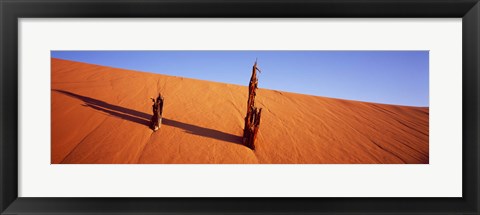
<point x="208" y="106"/>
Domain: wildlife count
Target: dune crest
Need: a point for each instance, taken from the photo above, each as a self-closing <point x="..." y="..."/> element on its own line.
<point x="100" y="115"/>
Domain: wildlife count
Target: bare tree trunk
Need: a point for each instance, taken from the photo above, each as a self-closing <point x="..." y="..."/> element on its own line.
<point x="252" y="120"/>
<point x="252" y="123"/>
<point x="157" y="109"/>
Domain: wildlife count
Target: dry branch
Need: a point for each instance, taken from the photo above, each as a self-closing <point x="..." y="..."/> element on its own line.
<point x="157" y="109"/>
<point x="252" y="120"/>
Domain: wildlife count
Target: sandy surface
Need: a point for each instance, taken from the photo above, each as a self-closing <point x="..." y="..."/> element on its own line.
<point x="101" y="114"/>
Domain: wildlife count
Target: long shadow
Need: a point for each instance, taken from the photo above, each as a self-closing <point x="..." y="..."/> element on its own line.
<point x="144" y="119"/>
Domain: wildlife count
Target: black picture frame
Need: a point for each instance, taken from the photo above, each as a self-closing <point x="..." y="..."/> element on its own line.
<point x="12" y="10"/>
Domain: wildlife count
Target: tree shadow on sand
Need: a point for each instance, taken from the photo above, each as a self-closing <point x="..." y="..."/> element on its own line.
<point x="144" y="119"/>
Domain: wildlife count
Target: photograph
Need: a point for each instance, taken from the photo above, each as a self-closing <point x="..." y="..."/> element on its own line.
<point x="239" y="106"/>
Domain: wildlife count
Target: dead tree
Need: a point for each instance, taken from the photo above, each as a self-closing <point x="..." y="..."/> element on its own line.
<point x="252" y="123"/>
<point x="252" y="120"/>
<point x="157" y="109"/>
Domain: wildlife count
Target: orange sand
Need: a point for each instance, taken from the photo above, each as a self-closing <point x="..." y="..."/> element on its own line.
<point x="101" y="114"/>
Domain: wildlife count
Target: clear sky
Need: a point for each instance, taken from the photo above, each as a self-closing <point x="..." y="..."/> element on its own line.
<point x="389" y="77"/>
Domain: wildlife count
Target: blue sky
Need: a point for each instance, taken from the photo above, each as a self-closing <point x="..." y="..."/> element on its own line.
<point x="389" y="77"/>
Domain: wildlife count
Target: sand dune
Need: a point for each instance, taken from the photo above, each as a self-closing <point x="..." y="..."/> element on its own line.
<point x="101" y="114"/>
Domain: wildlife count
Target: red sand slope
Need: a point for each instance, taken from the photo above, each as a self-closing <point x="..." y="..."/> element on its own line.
<point x="100" y="115"/>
